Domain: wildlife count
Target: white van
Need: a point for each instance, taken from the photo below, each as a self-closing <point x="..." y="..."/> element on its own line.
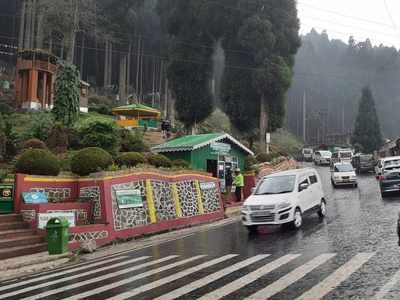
<point x="284" y="197"/>
<point x="307" y="154"/>
<point x="341" y="156"/>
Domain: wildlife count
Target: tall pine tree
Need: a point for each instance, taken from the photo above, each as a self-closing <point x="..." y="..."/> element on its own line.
<point x="367" y="131"/>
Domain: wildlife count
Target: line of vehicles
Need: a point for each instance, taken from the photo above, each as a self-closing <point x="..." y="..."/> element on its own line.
<point x="284" y="198"/>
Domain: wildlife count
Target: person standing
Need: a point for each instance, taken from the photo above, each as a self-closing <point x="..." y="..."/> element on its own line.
<point x="228" y="181"/>
<point x="239" y="184"/>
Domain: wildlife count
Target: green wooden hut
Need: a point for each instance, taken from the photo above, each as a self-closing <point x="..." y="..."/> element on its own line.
<point x="213" y="152"/>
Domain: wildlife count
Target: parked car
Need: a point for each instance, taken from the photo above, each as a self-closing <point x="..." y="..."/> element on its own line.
<point x="386" y="163"/>
<point x="307" y="154"/>
<point x="341" y="156"/>
<point x="389" y="182"/>
<point x="284" y="198"/>
<point x="343" y="174"/>
<point x="363" y="163"/>
<point x="322" y="157"/>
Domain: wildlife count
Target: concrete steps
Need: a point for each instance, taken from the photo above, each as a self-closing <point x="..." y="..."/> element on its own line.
<point x="17" y="239"/>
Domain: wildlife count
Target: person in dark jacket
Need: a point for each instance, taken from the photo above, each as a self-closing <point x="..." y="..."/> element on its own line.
<point x="228" y="181"/>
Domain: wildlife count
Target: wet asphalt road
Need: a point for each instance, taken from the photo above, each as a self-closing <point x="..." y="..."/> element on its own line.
<point x="352" y="254"/>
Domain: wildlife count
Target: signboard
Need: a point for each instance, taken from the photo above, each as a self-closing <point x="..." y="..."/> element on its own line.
<point x="268" y="138"/>
<point x="129" y="198"/>
<point x="221" y="148"/>
<point x="34" y="198"/>
<point x="6" y="192"/>
<point x="44" y="218"/>
<point x="205" y="186"/>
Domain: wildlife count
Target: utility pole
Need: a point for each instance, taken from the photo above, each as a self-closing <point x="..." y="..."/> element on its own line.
<point x="304" y="117"/>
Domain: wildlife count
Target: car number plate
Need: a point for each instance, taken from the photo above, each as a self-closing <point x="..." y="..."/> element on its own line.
<point x="262" y="214"/>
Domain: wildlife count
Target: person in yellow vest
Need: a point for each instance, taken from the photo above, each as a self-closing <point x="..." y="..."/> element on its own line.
<point x="239" y="184"/>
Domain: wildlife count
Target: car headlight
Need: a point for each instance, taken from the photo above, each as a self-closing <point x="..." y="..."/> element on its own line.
<point x="336" y="177"/>
<point x="283" y="205"/>
<point x="245" y="208"/>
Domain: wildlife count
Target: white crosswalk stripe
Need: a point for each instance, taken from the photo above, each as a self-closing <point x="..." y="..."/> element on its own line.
<point x="337" y="277"/>
<point x="86" y="280"/>
<point x="167" y="279"/>
<point x="249" y="278"/>
<point x="51" y="282"/>
<point x="290" y="278"/>
<point x="210" y="278"/>
<point x="387" y="287"/>
<point x="128" y="280"/>
<point x="100" y="278"/>
<point x="64" y="272"/>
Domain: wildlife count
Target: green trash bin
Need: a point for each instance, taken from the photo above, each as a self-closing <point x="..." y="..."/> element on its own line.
<point x="57" y="236"/>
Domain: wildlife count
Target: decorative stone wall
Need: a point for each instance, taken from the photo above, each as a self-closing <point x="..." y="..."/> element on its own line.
<point x="92" y="194"/>
<point x="54" y="194"/>
<point x="130" y="217"/>
<point x="188" y="198"/>
<point x="87" y="236"/>
<point x="163" y="200"/>
<point x="211" y="200"/>
<point x="28" y="215"/>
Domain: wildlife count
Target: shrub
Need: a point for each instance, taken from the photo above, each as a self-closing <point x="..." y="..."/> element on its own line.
<point x="249" y="162"/>
<point x="58" y="138"/>
<point x="180" y="163"/>
<point x="159" y="160"/>
<point x="90" y="160"/>
<point x="264" y="157"/>
<point x="42" y="124"/>
<point x="5" y="108"/>
<point x="38" y="162"/>
<point x="130" y="159"/>
<point x="34" y="144"/>
<point x="132" y="142"/>
<point x="99" y="133"/>
<point x="101" y="109"/>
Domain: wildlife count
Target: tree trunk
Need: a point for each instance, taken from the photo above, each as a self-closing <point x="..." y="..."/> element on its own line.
<point x="263" y="121"/>
<point x="21" y="37"/>
<point x="39" y="34"/>
<point x="51" y="43"/>
<point x="27" y="36"/>
<point x="128" y="70"/>
<point x="110" y="63"/>
<point x="72" y="35"/>
<point x="153" y="93"/>
<point x="171" y="108"/>
<point x="141" y="72"/>
<point x="161" y="81"/>
<point x="33" y="22"/>
<point x="138" y="68"/>
<point x="122" y="77"/>
<point x="82" y="55"/>
<point x="166" y="98"/>
<point x="106" y="64"/>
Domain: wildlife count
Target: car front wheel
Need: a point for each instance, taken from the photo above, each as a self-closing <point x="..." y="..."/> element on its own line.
<point x="322" y="209"/>
<point x="297" y="219"/>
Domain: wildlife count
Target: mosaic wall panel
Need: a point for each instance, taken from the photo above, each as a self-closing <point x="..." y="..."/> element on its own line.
<point x="87" y="236"/>
<point x="92" y="194"/>
<point x="81" y="214"/>
<point x="54" y="194"/>
<point x="130" y="217"/>
<point x="187" y="198"/>
<point x="28" y="215"/>
<point x="163" y="201"/>
<point x="210" y="199"/>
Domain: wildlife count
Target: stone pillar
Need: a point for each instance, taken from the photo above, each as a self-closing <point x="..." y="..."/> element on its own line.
<point x="44" y="91"/>
<point x="32" y="101"/>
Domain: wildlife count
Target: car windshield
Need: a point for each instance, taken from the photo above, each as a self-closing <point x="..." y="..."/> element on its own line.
<point x="366" y="158"/>
<point x="345" y="154"/>
<point x="392" y="162"/>
<point x="326" y="153"/>
<point x="276" y="185"/>
<point x="343" y="168"/>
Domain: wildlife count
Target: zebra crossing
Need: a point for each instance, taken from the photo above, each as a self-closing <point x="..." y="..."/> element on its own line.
<point x="197" y="277"/>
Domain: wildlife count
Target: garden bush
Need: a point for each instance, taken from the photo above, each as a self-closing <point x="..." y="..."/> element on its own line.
<point x="249" y="162"/>
<point x="264" y="157"/>
<point x="159" y="161"/>
<point x="34" y="144"/>
<point x="130" y="159"/>
<point x="38" y="162"/>
<point x="99" y="133"/>
<point x="132" y="142"/>
<point x="90" y="160"/>
<point x="58" y="138"/>
<point x="180" y="163"/>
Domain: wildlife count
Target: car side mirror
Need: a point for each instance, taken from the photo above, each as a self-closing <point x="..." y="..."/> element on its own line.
<point x="303" y="186"/>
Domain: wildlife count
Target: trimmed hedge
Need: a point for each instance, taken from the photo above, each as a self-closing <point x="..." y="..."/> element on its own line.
<point x="159" y="161"/>
<point x="180" y="163"/>
<point x="34" y="144"/>
<point x="38" y="162"/>
<point x="130" y="159"/>
<point x="90" y="160"/>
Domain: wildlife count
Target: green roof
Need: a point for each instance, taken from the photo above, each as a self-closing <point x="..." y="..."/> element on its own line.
<point x="193" y="142"/>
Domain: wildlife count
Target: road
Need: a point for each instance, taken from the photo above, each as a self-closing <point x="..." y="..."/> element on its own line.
<point x="352" y="254"/>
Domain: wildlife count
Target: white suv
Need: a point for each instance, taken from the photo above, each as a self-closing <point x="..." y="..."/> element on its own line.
<point x="284" y="197"/>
